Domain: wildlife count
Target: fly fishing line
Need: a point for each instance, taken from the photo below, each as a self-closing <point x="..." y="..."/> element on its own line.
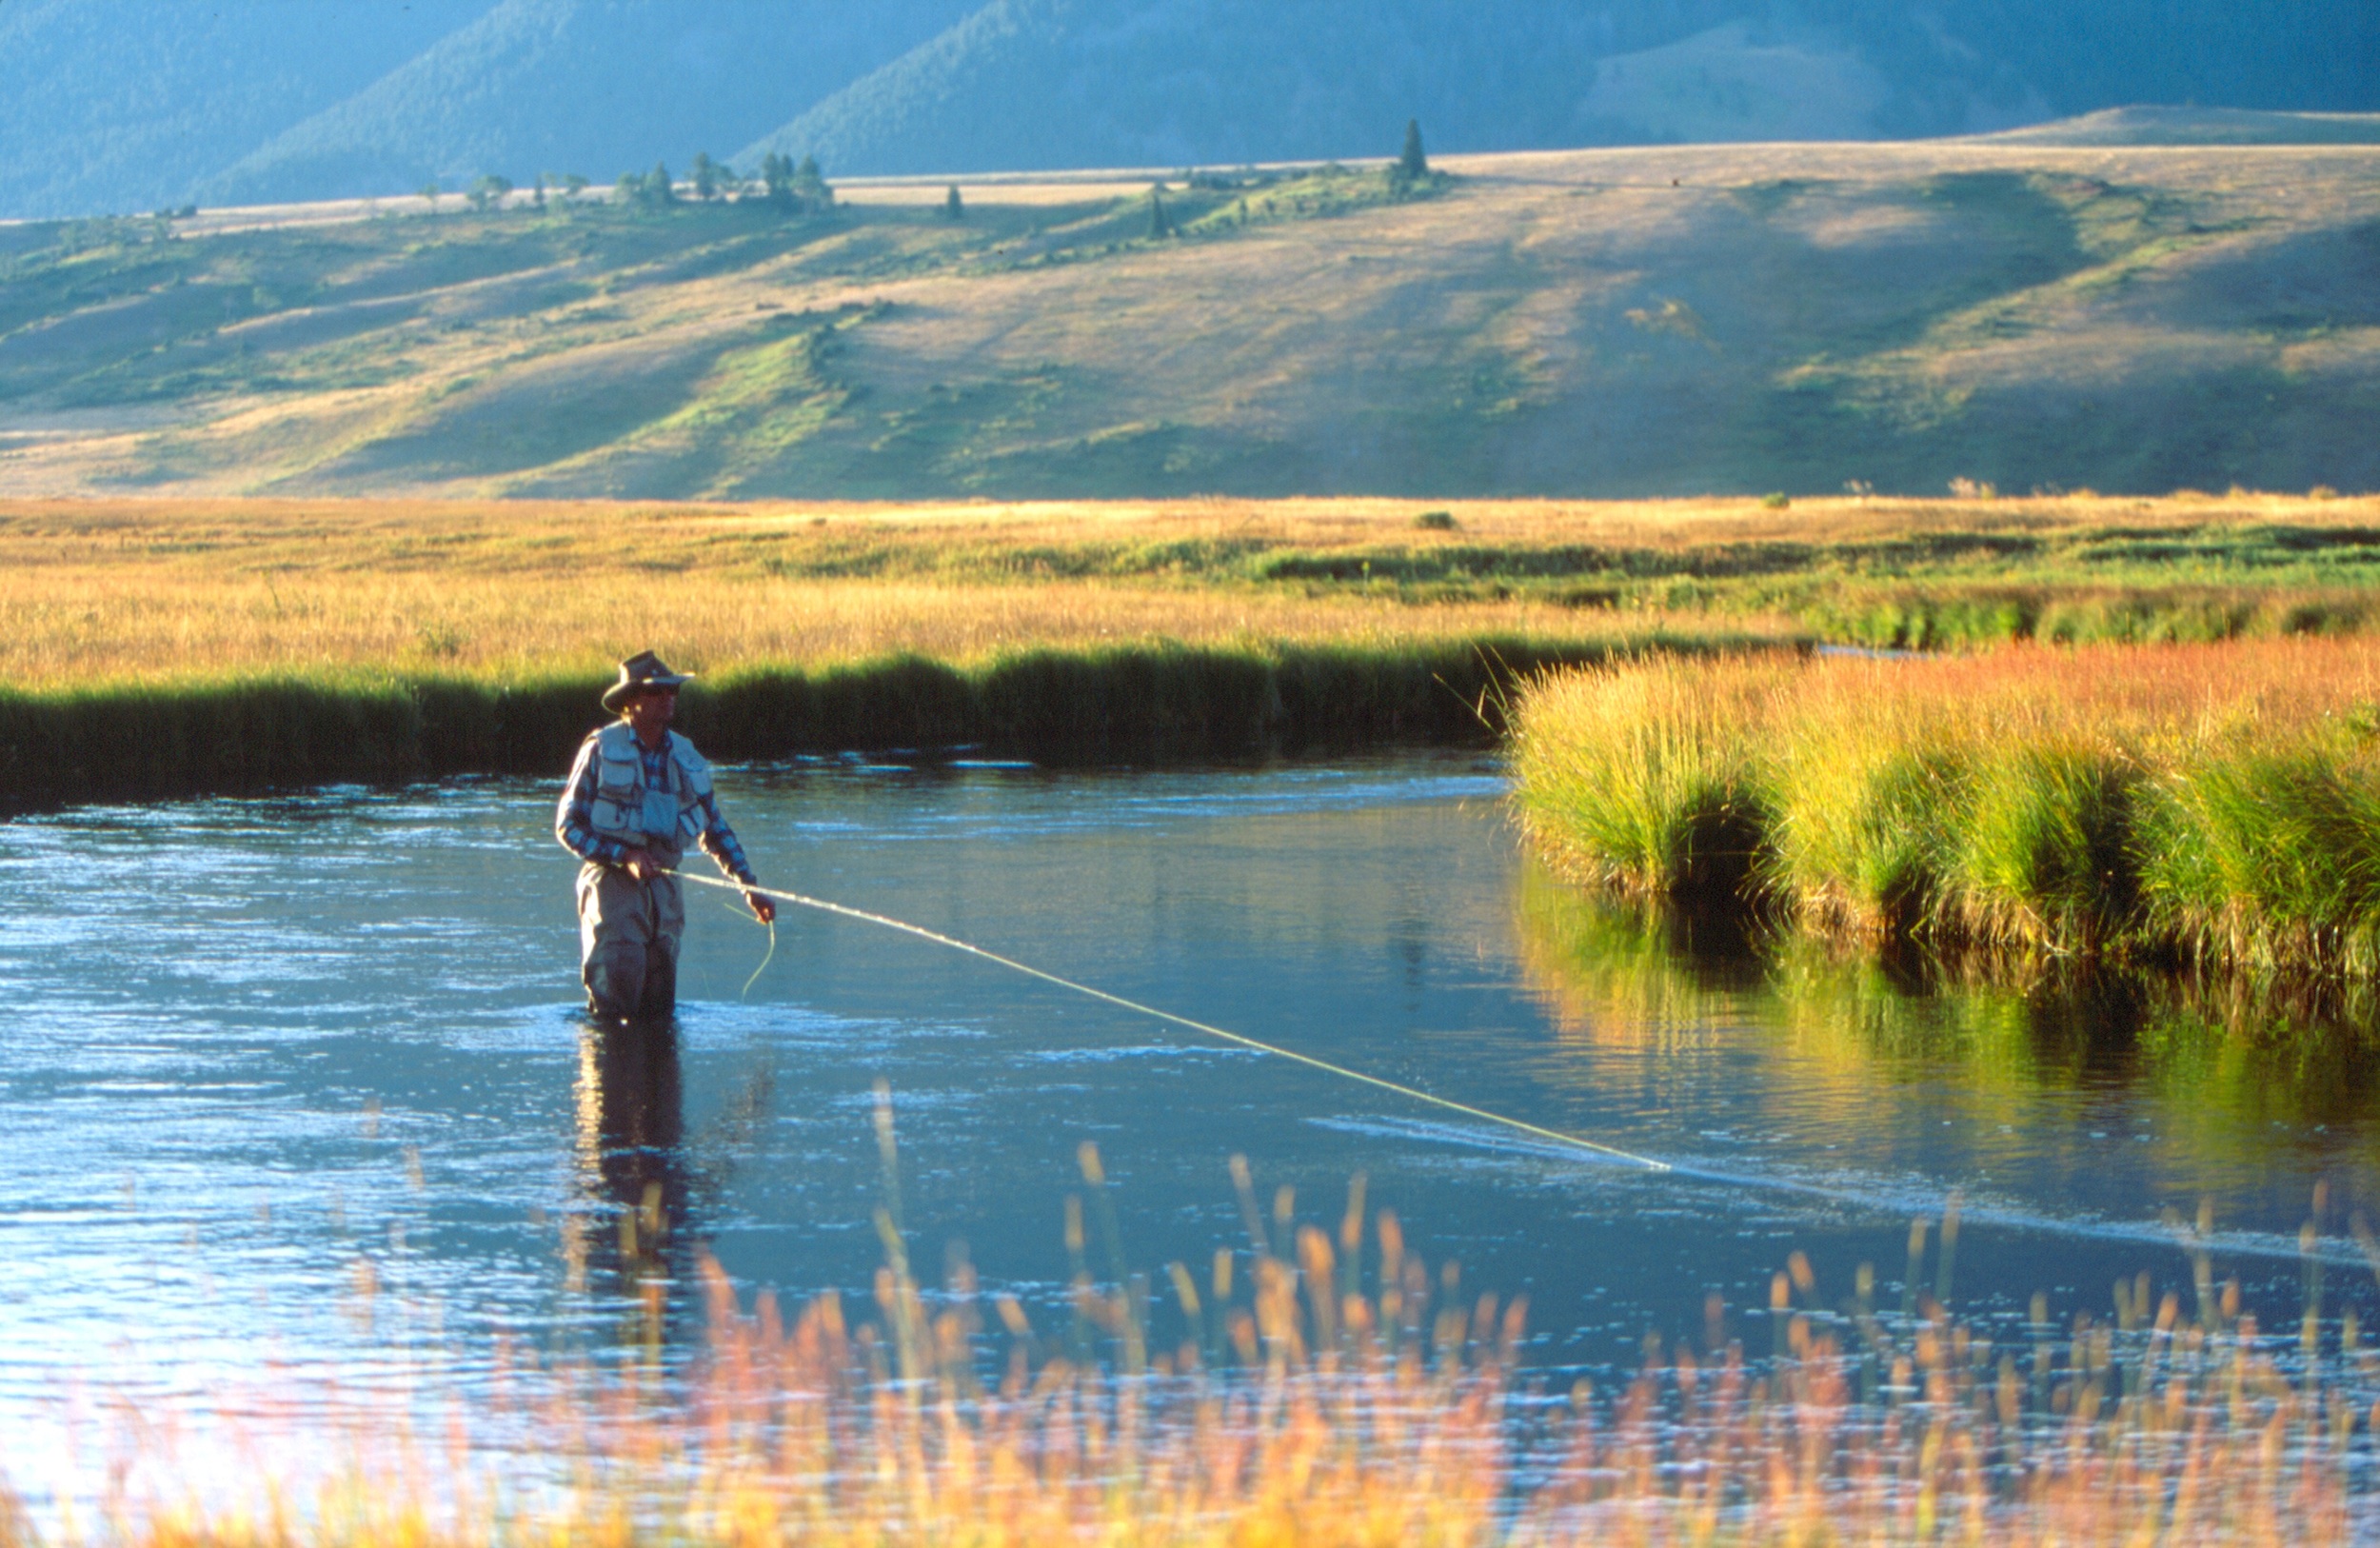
<point x="2248" y="1246"/>
<point x="1205" y="1029"/>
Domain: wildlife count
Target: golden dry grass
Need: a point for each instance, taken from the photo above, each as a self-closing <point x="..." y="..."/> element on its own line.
<point x="113" y="591"/>
<point x="197" y="630"/>
<point x="95" y="591"/>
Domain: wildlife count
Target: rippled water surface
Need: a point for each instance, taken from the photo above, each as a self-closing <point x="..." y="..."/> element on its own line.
<point x="303" y="1081"/>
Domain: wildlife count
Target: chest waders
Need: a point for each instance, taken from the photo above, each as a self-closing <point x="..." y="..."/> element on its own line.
<point x="629" y="930"/>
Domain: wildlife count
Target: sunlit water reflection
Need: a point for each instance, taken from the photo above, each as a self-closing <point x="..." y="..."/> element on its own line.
<point x="303" y="1080"/>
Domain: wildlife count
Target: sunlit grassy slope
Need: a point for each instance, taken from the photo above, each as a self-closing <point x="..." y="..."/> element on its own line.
<point x="1608" y="323"/>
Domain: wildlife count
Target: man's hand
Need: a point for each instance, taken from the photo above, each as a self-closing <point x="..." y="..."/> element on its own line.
<point x="640" y="863"/>
<point x="763" y="909"/>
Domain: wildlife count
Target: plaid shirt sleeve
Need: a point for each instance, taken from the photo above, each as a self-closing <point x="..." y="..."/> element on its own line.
<point x="574" y="819"/>
<point x="719" y="841"/>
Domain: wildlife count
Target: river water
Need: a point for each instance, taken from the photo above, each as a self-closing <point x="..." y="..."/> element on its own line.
<point x="300" y="1083"/>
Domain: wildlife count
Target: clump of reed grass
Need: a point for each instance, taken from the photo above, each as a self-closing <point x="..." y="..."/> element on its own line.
<point x="2216" y="802"/>
<point x="1341" y="1392"/>
<point x="1634" y="774"/>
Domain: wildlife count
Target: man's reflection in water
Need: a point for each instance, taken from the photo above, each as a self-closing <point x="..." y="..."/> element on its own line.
<point x="634" y="1228"/>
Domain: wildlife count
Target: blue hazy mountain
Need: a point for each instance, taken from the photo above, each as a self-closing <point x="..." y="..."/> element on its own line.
<point x="126" y="104"/>
<point x="1058" y="83"/>
<point x="596" y="87"/>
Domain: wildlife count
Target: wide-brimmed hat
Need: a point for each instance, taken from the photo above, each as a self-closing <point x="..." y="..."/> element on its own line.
<point x="637" y="674"/>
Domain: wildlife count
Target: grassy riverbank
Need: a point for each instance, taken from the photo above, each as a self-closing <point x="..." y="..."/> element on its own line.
<point x="1149" y="701"/>
<point x="157" y="648"/>
<point x="2217" y="803"/>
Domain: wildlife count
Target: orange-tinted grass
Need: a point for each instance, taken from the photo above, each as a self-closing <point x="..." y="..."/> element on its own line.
<point x="1311" y="1414"/>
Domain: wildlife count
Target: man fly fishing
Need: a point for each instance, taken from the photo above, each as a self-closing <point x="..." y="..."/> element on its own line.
<point x="638" y="794"/>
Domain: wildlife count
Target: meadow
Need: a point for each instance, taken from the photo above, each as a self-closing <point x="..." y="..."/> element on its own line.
<point x="2201" y="804"/>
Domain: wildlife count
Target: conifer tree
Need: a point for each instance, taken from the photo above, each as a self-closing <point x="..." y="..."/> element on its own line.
<point x="809" y="185"/>
<point x="1413" y="166"/>
<point x="705" y="173"/>
<point x="953" y="206"/>
<point x="1160" y="223"/>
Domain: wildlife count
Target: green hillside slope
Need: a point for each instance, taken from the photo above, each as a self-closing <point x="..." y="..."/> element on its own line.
<point x="1612" y="323"/>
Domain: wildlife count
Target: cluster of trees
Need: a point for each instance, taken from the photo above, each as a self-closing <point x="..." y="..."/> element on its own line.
<point x="655" y="189"/>
<point x="793" y="186"/>
<point x="801" y="188"/>
<point x="797" y="188"/>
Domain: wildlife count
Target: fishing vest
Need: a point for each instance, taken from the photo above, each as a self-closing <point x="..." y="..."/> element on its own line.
<point x="661" y="821"/>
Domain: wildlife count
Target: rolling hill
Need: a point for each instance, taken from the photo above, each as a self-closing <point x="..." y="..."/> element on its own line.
<point x="1649" y="320"/>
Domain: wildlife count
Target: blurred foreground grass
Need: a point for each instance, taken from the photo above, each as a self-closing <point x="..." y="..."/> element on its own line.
<point x="1340" y="1393"/>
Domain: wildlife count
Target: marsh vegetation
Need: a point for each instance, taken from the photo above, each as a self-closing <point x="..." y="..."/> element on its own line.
<point x="2208" y="803"/>
<point x="363" y="639"/>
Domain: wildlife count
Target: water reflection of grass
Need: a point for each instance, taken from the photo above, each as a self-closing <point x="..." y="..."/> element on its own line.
<point x="1339" y="1393"/>
<point x="2223" y="1056"/>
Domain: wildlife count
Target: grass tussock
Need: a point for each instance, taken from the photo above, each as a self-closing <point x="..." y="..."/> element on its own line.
<point x="2219" y="804"/>
<point x="1340" y="1394"/>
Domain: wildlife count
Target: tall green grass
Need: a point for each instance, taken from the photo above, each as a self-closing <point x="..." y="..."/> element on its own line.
<point x="2218" y="804"/>
<point x="1135" y="702"/>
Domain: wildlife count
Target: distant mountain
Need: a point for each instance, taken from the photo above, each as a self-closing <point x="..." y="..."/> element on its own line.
<point x="115" y="105"/>
<point x="1074" y="82"/>
<point x="597" y="87"/>
<point x="127" y="105"/>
